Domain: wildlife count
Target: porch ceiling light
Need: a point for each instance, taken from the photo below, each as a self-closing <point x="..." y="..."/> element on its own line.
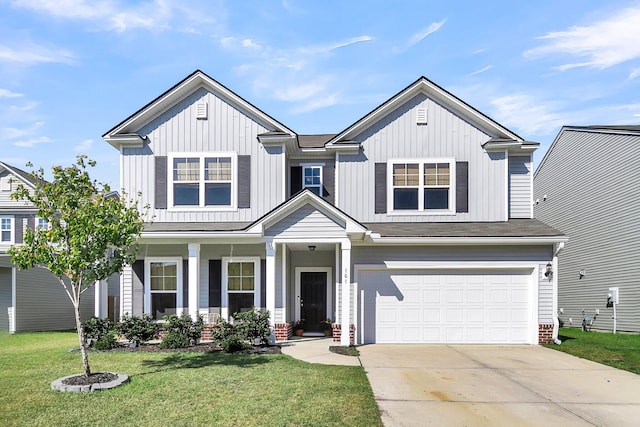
<point x="312" y="248"/>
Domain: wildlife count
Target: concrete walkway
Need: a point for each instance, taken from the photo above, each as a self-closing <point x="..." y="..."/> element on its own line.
<point x="316" y="350"/>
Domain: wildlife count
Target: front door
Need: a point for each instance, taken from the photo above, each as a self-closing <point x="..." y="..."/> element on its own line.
<point x="313" y="298"/>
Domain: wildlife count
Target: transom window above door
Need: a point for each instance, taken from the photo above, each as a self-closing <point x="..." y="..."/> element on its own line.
<point x="423" y="186"/>
<point x="203" y="180"/>
<point x="312" y="178"/>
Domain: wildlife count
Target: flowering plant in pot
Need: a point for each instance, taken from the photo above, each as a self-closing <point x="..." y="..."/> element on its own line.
<point x="298" y="327"/>
<point x="325" y="325"/>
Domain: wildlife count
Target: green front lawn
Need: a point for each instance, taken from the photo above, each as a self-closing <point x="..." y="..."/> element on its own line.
<point x="177" y="388"/>
<point x="621" y="351"/>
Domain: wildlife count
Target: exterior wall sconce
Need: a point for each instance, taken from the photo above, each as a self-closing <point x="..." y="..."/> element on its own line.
<point x="582" y="273"/>
<point x="312" y="248"/>
<point x="549" y="271"/>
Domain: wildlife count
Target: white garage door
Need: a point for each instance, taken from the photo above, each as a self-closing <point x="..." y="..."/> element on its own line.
<point x="445" y="307"/>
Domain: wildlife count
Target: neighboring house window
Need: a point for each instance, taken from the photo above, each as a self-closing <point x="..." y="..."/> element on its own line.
<point x="163" y="289"/>
<point x="6" y="229"/>
<point x="422" y="186"/>
<point x="312" y="178"/>
<point x="203" y="181"/>
<point x="42" y="224"/>
<point x="241" y="284"/>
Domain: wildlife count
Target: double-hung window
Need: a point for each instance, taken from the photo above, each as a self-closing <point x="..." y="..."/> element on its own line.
<point x="163" y="290"/>
<point x="203" y="180"/>
<point x="312" y="178"/>
<point x="42" y="224"/>
<point x="241" y="284"/>
<point x="422" y="186"/>
<point x="6" y="229"/>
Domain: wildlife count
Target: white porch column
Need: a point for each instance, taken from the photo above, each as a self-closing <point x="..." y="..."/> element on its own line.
<point x="270" y="275"/>
<point x="194" y="279"/>
<point x="12" y="309"/>
<point x="126" y="291"/>
<point x="101" y="294"/>
<point x="346" y="292"/>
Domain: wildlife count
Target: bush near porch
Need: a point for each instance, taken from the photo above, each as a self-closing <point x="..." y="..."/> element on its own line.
<point x="177" y="388"/>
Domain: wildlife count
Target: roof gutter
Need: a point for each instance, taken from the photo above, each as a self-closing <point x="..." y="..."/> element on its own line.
<point x="451" y="241"/>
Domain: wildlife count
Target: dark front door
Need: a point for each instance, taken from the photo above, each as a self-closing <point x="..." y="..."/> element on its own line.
<point x="313" y="299"/>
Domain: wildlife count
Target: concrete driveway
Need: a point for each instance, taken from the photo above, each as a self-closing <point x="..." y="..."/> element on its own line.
<point x="470" y="385"/>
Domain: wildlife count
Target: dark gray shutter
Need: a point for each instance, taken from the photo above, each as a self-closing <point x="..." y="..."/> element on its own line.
<point x="263" y="283"/>
<point x="138" y="288"/>
<point x="462" y="186"/>
<point x="381" y="188"/>
<point x="244" y="181"/>
<point x="161" y="183"/>
<point x="185" y="284"/>
<point x="329" y="183"/>
<point x="31" y="222"/>
<point x="17" y="229"/>
<point x="295" y="179"/>
<point x="215" y="283"/>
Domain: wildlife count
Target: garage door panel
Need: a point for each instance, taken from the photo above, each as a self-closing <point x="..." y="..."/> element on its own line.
<point x="415" y="306"/>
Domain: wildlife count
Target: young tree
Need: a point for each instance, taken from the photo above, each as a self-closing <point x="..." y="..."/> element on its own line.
<point x="91" y="233"/>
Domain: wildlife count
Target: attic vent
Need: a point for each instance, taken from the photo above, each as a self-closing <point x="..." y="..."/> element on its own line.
<point x="5" y="184"/>
<point x="201" y="110"/>
<point x="421" y="116"/>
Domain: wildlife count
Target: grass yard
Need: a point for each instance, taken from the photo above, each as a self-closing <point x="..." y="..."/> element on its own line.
<point x="194" y="389"/>
<point x="621" y="351"/>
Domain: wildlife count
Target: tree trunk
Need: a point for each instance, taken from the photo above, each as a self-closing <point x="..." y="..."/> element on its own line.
<point x="83" y="350"/>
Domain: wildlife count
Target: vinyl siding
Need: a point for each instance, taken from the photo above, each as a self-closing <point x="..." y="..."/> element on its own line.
<point x="5" y="297"/>
<point x="545" y="296"/>
<point x="445" y="136"/>
<point x="591" y="181"/>
<point x="5" y="196"/>
<point x="306" y="221"/>
<point x="520" y="197"/>
<point x="226" y="130"/>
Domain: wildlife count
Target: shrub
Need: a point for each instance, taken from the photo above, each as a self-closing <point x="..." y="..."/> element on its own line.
<point x="138" y="330"/>
<point x="222" y="331"/>
<point x="233" y="343"/>
<point x="181" y="331"/>
<point x="253" y="325"/>
<point x="99" y="333"/>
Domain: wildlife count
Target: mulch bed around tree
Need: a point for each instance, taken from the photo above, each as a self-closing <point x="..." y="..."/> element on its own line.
<point x="99" y="378"/>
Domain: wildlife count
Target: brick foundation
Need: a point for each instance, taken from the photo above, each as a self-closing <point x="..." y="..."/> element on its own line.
<point x="337" y="333"/>
<point x="283" y="331"/>
<point x="545" y="333"/>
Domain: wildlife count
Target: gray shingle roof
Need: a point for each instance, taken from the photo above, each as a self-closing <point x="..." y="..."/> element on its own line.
<point x="314" y="141"/>
<point x="194" y="226"/>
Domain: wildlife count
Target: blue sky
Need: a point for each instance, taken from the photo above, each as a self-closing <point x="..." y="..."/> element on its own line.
<point x="72" y="69"/>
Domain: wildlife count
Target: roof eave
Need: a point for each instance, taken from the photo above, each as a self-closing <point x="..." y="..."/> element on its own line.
<point x="456" y="241"/>
<point x="125" y="140"/>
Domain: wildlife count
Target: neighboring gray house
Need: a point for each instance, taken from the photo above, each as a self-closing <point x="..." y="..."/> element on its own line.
<point x="412" y="225"/>
<point x="31" y="300"/>
<point x="588" y="187"/>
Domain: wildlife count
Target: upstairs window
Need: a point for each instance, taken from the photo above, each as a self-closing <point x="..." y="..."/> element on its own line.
<point x="42" y="224"/>
<point x="312" y="178"/>
<point x="203" y="181"/>
<point x="6" y="229"/>
<point x="424" y="186"/>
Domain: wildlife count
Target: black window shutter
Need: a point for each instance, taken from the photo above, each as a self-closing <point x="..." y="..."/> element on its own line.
<point x="185" y="283"/>
<point x="263" y="283"/>
<point x="295" y="179"/>
<point x="462" y="186"/>
<point x="329" y="183"/>
<point x="381" y="188"/>
<point x="244" y="181"/>
<point x="31" y="222"/>
<point x="138" y="288"/>
<point x="161" y="183"/>
<point x="215" y="283"/>
<point x="17" y="229"/>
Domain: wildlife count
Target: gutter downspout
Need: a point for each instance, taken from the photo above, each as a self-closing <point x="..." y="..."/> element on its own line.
<point x="556" y="322"/>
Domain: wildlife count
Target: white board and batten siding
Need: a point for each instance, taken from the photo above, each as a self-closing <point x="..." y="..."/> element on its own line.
<point x="397" y="136"/>
<point x="591" y="179"/>
<point x="226" y="129"/>
<point x="5" y="297"/>
<point x="520" y="187"/>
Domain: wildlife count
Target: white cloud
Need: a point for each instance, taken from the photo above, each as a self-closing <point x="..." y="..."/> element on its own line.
<point x="480" y="71"/>
<point x="5" y="93"/>
<point x="529" y="115"/>
<point x="31" y="142"/>
<point x="634" y="74"/>
<point x="84" y="146"/>
<point x="31" y="54"/>
<point x="77" y="9"/>
<point x="603" y="44"/>
<point x="420" y="35"/>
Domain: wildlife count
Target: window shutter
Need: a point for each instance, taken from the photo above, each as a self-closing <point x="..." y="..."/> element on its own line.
<point x="161" y="183"/>
<point x="244" y="181"/>
<point x="215" y="283"/>
<point x="263" y="283"/>
<point x="462" y="186"/>
<point x="381" y="188"/>
<point x="17" y="229"/>
<point x="138" y="288"/>
<point x="329" y="183"/>
<point x="296" y="179"/>
<point x="31" y="222"/>
<point x="185" y="284"/>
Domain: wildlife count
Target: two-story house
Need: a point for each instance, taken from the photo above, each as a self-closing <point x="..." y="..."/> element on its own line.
<point x="414" y="224"/>
<point x="34" y="300"/>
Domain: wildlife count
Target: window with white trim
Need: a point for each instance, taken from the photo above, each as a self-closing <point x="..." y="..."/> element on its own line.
<point x="6" y="229"/>
<point x="163" y="287"/>
<point x="312" y="178"/>
<point x="205" y="180"/>
<point x="423" y="186"/>
<point x="241" y="284"/>
<point x="42" y="224"/>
